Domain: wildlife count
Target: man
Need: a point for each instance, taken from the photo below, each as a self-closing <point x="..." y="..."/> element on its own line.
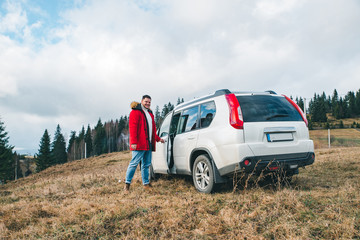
<point x="142" y="140"/>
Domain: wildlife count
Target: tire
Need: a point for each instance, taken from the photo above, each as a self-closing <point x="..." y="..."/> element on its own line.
<point x="203" y="174"/>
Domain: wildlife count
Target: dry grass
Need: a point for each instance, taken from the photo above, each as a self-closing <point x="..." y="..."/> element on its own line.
<point x="346" y="121"/>
<point x="83" y="200"/>
<point x="338" y="138"/>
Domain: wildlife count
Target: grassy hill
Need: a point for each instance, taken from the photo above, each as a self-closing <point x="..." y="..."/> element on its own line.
<point x="349" y="137"/>
<point x="84" y="200"/>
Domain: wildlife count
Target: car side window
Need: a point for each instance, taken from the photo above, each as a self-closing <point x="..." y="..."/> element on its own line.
<point x="188" y="120"/>
<point x="207" y="113"/>
<point x="174" y="123"/>
<point x="164" y="129"/>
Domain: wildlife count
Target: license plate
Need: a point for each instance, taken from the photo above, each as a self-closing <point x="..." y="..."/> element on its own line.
<point x="279" y="137"/>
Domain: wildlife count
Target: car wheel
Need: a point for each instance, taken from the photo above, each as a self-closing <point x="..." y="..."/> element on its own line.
<point x="203" y="176"/>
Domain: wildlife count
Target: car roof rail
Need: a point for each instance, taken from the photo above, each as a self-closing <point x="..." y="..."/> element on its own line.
<point x="271" y="92"/>
<point x="222" y="92"/>
<point x="219" y="92"/>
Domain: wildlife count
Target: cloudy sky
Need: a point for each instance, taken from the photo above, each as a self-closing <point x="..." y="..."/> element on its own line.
<point x="70" y="62"/>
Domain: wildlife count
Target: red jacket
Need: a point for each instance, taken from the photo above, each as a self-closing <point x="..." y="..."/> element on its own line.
<point x="138" y="128"/>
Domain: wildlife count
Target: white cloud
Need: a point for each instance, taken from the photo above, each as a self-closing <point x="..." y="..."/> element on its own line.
<point x="7" y="85"/>
<point x="274" y="8"/>
<point x="194" y="13"/>
<point x="108" y="53"/>
<point x="15" y="18"/>
<point x="28" y="30"/>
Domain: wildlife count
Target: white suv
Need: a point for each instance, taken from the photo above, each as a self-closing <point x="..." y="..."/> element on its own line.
<point x="214" y="136"/>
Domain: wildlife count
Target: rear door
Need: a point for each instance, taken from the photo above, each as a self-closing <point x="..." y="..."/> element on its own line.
<point x="185" y="139"/>
<point x="273" y="126"/>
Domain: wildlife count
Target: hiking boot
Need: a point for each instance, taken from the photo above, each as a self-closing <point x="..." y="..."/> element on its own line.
<point x="127" y="187"/>
<point x="148" y="187"/>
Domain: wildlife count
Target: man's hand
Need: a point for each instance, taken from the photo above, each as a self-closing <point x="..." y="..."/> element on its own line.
<point x="162" y="140"/>
<point x="133" y="146"/>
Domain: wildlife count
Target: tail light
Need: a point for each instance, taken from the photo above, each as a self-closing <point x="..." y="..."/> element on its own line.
<point x="236" y="119"/>
<point x="298" y="109"/>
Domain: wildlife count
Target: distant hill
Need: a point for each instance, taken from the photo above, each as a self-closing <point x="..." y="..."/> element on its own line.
<point x="336" y="123"/>
<point x="84" y="200"/>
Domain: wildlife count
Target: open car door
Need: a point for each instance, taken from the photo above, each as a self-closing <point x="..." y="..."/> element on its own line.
<point x="160" y="156"/>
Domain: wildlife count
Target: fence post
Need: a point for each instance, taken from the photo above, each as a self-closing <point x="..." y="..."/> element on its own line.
<point x="329" y="137"/>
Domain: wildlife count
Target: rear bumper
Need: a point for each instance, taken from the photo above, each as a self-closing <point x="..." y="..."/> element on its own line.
<point x="287" y="162"/>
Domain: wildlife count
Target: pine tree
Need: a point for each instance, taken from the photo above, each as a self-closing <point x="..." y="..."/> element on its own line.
<point x="179" y="101"/>
<point x="317" y="109"/>
<point x="80" y="144"/>
<point x="341" y="109"/>
<point x="311" y="106"/>
<point x="58" y="148"/>
<point x="328" y="105"/>
<point x="311" y="127"/>
<point x="88" y="141"/>
<point x="164" y="111"/>
<point x="170" y="107"/>
<point x="335" y="104"/>
<point x="357" y="103"/>
<point x="341" y="124"/>
<point x="322" y="108"/>
<point x="6" y="156"/>
<point x="157" y="116"/>
<point x="122" y="124"/>
<point x="326" y="102"/>
<point x="111" y="137"/>
<point x="122" y="128"/>
<point x="107" y="127"/>
<point x="100" y="139"/>
<point x="346" y="108"/>
<point x="300" y="103"/>
<point x="18" y="173"/>
<point x="44" y="156"/>
<point x="352" y="104"/>
<point x="71" y="147"/>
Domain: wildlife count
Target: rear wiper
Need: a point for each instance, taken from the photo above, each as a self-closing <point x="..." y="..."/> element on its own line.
<point x="277" y="115"/>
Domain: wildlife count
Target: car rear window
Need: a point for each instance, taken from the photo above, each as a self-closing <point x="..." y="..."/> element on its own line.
<point x="262" y="108"/>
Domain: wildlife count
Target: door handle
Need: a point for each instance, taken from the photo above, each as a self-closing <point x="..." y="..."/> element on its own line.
<point x="190" y="138"/>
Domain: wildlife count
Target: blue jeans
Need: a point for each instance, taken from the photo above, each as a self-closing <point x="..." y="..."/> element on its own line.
<point x="145" y="158"/>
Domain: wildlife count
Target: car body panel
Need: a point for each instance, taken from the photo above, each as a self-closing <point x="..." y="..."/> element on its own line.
<point x="286" y="141"/>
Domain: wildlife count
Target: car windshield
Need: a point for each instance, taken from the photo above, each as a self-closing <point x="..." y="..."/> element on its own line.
<point x="262" y="108"/>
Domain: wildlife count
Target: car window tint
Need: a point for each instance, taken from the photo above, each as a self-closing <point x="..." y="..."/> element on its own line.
<point x="207" y="113"/>
<point x="174" y="123"/>
<point x="164" y="129"/>
<point x="188" y="120"/>
<point x="262" y="108"/>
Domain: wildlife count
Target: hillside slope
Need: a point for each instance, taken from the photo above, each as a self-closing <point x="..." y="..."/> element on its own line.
<point x="84" y="200"/>
<point x="338" y="138"/>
